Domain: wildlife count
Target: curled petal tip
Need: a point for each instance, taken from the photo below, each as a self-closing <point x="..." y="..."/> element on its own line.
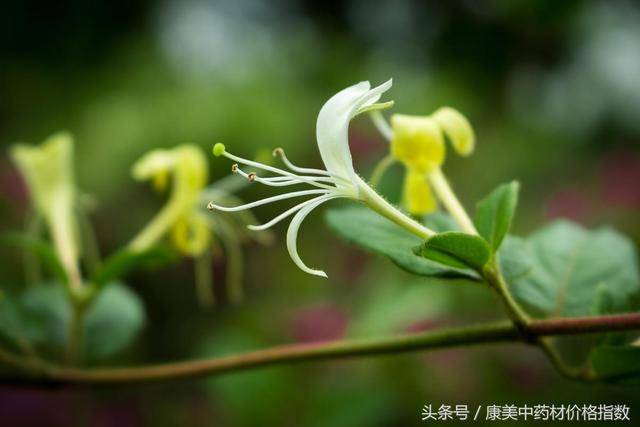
<point x="211" y="206"/>
<point x="251" y="176"/>
<point x="278" y="152"/>
<point x="218" y="149"/>
<point x="234" y="168"/>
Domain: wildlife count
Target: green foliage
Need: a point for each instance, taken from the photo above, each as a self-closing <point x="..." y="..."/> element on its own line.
<point x="514" y="258"/>
<point x="113" y="322"/>
<point x="495" y="212"/>
<point x="616" y="363"/>
<point x="40" y="317"/>
<point x="579" y="272"/>
<point x="43" y="250"/>
<point x="392" y="309"/>
<point x="571" y="266"/>
<point x="369" y="230"/>
<point x="456" y="249"/>
<point x="125" y="260"/>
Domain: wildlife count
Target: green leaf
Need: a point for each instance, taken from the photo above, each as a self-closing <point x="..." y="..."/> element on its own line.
<point x="371" y="231"/>
<point x="440" y="221"/>
<point x="392" y="309"/>
<point x="572" y="265"/>
<point x="14" y="327"/>
<point x="515" y="258"/>
<point x="125" y="260"/>
<point x="494" y="213"/>
<point x="616" y="364"/>
<point x="113" y="322"/>
<point x="43" y="250"/>
<point x="41" y="316"/>
<point x="456" y="249"/>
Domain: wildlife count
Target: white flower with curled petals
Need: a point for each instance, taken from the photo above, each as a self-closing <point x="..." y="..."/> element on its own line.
<point x="338" y="180"/>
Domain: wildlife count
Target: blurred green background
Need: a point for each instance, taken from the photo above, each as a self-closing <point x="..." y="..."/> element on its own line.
<point x="552" y="88"/>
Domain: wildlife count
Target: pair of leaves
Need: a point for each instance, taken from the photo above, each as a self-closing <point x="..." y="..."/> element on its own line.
<point x="40" y="317"/>
<point x="369" y="230"/>
<point x="493" y="218"/>
<point x="449" y="254"/>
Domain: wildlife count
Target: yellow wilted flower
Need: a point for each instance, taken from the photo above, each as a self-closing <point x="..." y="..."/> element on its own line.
<point x="181" y="216"/>
<point x="418" y="142"/>
<point x="184" y="218"/>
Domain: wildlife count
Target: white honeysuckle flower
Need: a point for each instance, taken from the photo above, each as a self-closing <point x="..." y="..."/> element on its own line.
<point x="339" y="180"/>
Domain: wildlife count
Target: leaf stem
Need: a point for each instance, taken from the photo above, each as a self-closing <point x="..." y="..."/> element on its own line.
<point x="494" y="277"/>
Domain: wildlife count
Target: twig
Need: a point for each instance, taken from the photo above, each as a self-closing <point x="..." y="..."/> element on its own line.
<point x="504" y="331"/>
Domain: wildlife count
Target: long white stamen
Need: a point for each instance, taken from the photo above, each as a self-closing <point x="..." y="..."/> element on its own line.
<point x="293" y="182"/>
<point x="280" y="153"/>
<point x="271" y="169"/>
<point x="268" y="200"/>
<point x="292" y="234"/>
<point x="288" y="213"/>
<point x="290" y="181"/>
<point x="306" y="177"/>
<point x="258" y="165"/>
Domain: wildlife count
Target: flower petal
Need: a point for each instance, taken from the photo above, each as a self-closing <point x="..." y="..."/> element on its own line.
<point x="292" y="234"/>
<point x="457" y="128"/>
<point x="332" y="127"/>
<point x="418" y="197"/>
<point x="417" y="142"/>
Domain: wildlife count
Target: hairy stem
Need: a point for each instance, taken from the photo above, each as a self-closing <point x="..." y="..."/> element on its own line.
<point x="503" y="331"/>
<point x="378" y="203"/>
<point x="448" y="198"/>
<point x="494" y="278"/>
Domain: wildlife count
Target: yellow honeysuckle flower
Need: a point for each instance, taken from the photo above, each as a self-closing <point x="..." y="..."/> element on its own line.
<point x="418" y="142"/>
<point x="181" y="217"/>
<point x="48" y="172"/>
<point x="185" y="221"/>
